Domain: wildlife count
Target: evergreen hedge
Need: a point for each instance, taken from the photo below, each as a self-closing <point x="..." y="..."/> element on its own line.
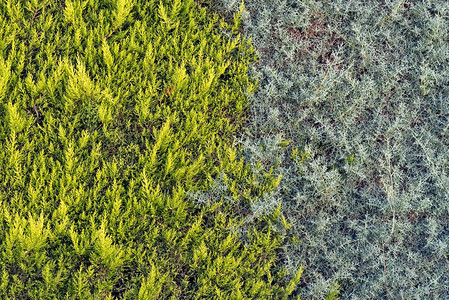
<point x="111" y="112"/>
<point x="361" y="90"/>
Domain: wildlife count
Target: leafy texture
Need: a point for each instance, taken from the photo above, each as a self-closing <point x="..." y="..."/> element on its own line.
<point x="360" y="89"/>
<point x="110" y="113"/>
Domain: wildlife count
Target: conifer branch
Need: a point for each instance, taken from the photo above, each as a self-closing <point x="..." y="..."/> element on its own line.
<point x="34" y="15"/>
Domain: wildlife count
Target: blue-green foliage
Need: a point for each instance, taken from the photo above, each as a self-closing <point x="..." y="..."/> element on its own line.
<point x="361" y="88"/>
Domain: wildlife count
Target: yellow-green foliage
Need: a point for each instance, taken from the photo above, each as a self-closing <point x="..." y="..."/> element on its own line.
<point x="110" y="112"/>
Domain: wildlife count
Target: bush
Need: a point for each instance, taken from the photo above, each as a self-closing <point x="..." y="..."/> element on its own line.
<point x="110" y="113"/>
<point x="360" y="88"/>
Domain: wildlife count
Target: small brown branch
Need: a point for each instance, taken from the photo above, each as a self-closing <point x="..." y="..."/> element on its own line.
<point x="34" y="14"/>
<point x="169" y="90"/>
<point x="324" y="78"/>
<point x="37" y="113"/>
<point x="302" y="106"/>
<point x="111" y="33"/>
<point x="391" y="193"/>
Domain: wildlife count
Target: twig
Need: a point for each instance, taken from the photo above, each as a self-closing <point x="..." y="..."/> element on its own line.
<point x="324" y="78"/>
<point x="37" y="113"/>
<point x="36" y="110"/>
<point x="111" y="33"/>
<point x="302" y="106"/>
<point x="350" y="108"/>
<point x="391" y="193"/>
<point x="34" y="14"/>
<point x="383" y="252"/>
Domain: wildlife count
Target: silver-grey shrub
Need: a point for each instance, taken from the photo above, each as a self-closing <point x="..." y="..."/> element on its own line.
<point x="361" y="88"/>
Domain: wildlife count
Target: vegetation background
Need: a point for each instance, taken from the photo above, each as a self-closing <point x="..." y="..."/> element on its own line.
<point x="132" y="164"/>
<point x="361" y="90"/>
<point x="111" y="112"/>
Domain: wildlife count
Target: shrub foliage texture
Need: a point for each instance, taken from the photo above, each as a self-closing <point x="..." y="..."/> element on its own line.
<point x="110" y="112"/>
<point x="360" y="89"/>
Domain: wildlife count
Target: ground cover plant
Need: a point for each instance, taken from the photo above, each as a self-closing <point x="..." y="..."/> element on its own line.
<point x="111" y="112"/>
<point x="361" y="91"/>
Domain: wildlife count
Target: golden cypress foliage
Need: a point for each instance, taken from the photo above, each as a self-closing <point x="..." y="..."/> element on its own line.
<point x="111" y="112"/>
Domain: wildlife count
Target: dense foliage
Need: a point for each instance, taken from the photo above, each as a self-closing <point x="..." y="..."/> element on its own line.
<point x="110" y="113"/>
<point x="361" y="88"/>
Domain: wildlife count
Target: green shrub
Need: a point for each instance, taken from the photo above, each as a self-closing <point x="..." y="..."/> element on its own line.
<point x="110" y="113"/>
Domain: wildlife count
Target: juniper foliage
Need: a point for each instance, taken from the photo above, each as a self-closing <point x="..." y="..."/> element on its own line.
<point x="361" y="89"/>
<point x="110" y="113"/>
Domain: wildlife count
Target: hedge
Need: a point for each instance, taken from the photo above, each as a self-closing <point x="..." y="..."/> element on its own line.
<point x="111" y="112"/>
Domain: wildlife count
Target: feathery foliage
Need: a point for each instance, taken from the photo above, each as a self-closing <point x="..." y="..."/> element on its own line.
<point x="110" y="113"/>
<point x="360" y="89"/>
